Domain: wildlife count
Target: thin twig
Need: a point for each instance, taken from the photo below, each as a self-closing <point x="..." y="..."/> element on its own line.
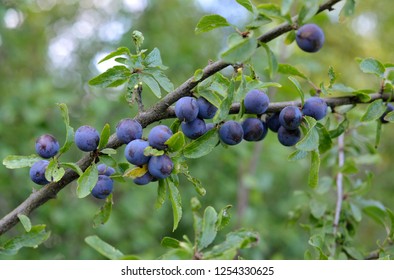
<point x="339" y="184"/>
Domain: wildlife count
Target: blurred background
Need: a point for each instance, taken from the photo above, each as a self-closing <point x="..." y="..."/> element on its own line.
<point x="49" y="50"/>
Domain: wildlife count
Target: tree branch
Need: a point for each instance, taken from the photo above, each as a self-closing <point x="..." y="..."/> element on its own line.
<point x="161" y="110"/>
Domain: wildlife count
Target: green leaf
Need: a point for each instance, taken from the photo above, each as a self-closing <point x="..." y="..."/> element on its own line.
<point x="297" y="155"/>
<point x="356" y="212"/>
<point x="247" y="4"/>
<point x="149" y="151"/>
<point x="176" y="203"/>
<point x="118" y="52"/>
<point x="25" y="221"/>
<point x="102" y="216"/>
<point x="325" y="142"/>
<point x="290" y="70"/>
<point x="103" y="248"/>
<point x="236" y="240"/>
<point x="299" y="89"/>
<point x="169" y="242"/>
<point x="87" y="181"/>
<point x="313" y="178"/>
<point x="374" y="111"/>
<point x="33" y="238"/>
<point x="161" y="193"/>
<point x="348" y="9"/>
<point x="104" y="136"/>
<point x="340" y="129"/>
<point x="72" y="166"/>
<point x="290" y="37"/>
<point x="389" y="117"/>
<point x="308" y="11"/>
<point x="259" y="21"/>
<point x="198" y="74"/>
<point x="224" y="218"/>
<point x="152" y="84"/>
<point x="162" y="79"/>
<point x="241" y="51"/>
<point x="272" y="61"/>
<point x="113" y="77"/>
<point x="54" y="173"/>
<point x="153" y="59"/>
<point x="225" y="105"/>
<point x="109" y="151"/>
<point x="372" y="66"/>
<point x="210" y="22"/>
<point x="13" y="162"/>
<point x="311" y="140"/>
<point x="196" y="183"/>
<point x="286" y="5"/>
<point x="270" y="10"/>
<point x="332" y="76"/>
<point x="318" y="208"/>
<point x="209" y="230"/>
<point x="202" y="145"/>
<point x="376" y="211"/>
<point x="69" y="130"/>
<point x="175" y="142"/>
<point x="109" y="161"/>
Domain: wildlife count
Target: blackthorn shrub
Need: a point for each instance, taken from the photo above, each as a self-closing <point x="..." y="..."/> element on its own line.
<point x="315" y="107"/>
<point x="128" y="130"/>
<point x="310" y="38"/>
<point x="160" y="166"/>
<point x="103" y="187"/>
<point x="231" y="133"/>
<point x="134" y="152"/>
<point x="256" y="102"/>
<point x="47" y="146"/>
<point x="290" y="117"/>
<point x="158" y="136"/>
<point x="37" y="172"/>
<point x="186" y="109"/>
<point x="87" y="138"/>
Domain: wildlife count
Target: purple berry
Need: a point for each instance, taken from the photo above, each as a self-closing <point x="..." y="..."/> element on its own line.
<point x="87" y="138"/>
<point x="128" y="130"/>
<point x="256" y="102"/>
<point x="194" y="129"/>
<point x="103" y="169"/>
<point x="134" y="152"/>
<point x="37" y="172"/>
<point x="206" y="110"/>
<point x="144" y="179"/>
<point x="231" y="133"/>
<point x="160" y="167"/>
<point x="273" y="122"/>
<point x="290" y="117"/>
<point x="289" y="137"/>
<point x="158" y="136"/>
<point x="253" y="129"/>
<point x="310" y="38"/>
<point x="315" y="107"/>
<point x="186" y="109"/>
<point x="103" y="187"/>
<point x="47" y="146"/>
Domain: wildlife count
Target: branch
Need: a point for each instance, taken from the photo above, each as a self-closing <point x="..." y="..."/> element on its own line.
<point x="161" y="110"/>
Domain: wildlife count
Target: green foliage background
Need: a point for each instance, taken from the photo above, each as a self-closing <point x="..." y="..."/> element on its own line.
<point x="31" y="85"/>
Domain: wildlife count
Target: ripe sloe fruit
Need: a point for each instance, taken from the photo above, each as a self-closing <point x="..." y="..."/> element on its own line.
<point x="103" y="187"/>
<point x="256" y="102"/>
<point x="194" y="129"/>
<point x="253" y="129"/>
<point x="273" y="122"/>
<point x="134" y="152"/>
<point x="47" y="146"/>
<point x="87" y="138"/>
<point x="310" y="38"/>
<point x="186" y="109"/>
<point x="160" y="166"/>
<point x="290" y="117"/>
<point x="206" y="110"/>
<point x="264" y="132"/>
<point x="315" y="107"/>
<point x="37" y="172"/>
<point x="128" y="130"/>
<point x="144" y="179"/>
<point x="231" y="133"/>
<point x="209" y="126"/>
<point x="158" y="136"/>
<point x="390" y="108"/>
<point x="288" y="137"/>
<point x="103" y="169"/>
